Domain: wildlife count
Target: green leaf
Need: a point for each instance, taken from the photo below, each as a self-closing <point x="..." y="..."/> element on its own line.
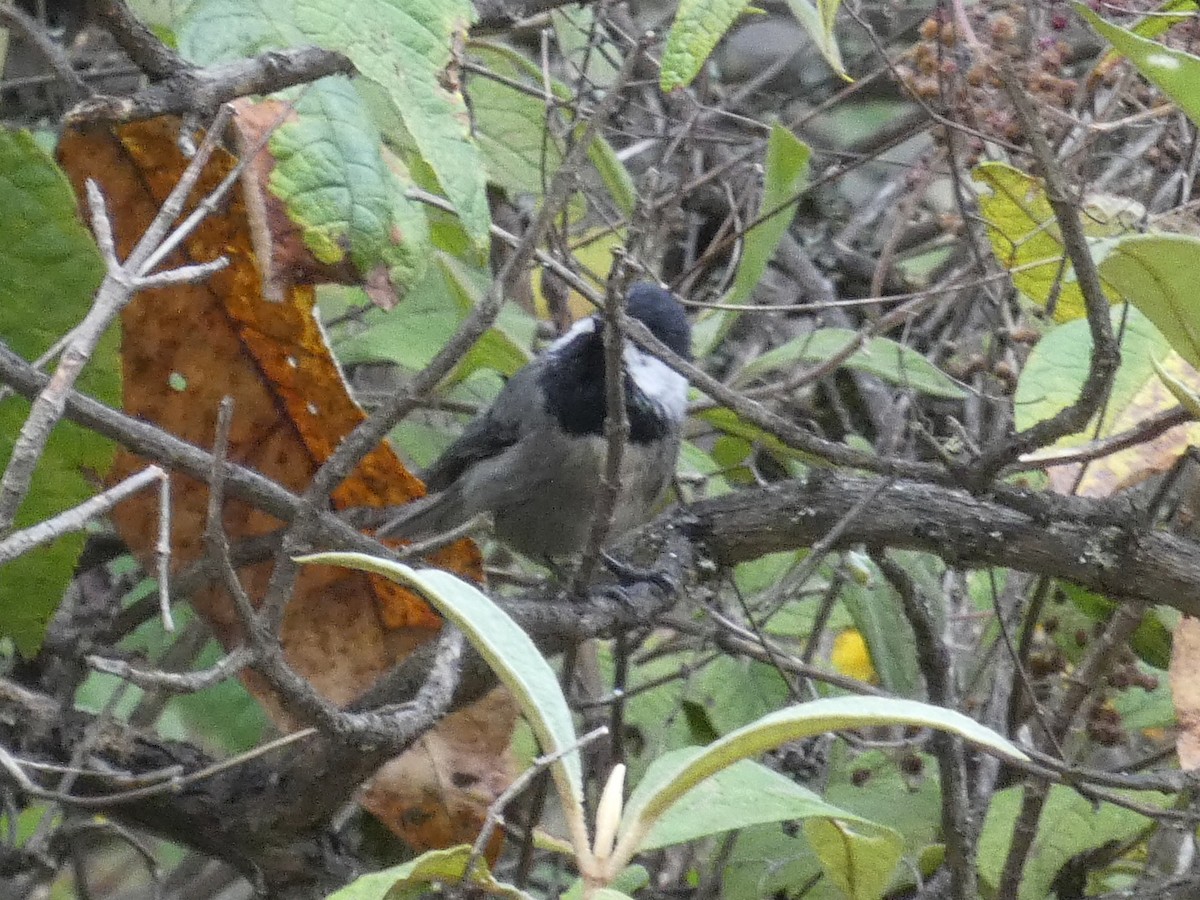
<point x="745" y="794"/>
<point x="876" y="612"/>
<point x="1058" y="366"/>
<point x="1157" y="274"/>
<point x="767" y="862"/>
<point x="882" y="357"/>
<point x="1025" y="238"/>
<point x="338" y="189"/>
<point x="698" y="26"/>
<point x="1069" y="825"/>
<point x="510" y="125"/>
<point x="861" y="865"/>
<point x="786" y="174"/>
<point x="505" y="647"/>
<point x="431" y="869"/>
<point x="1180" y="391"/>
<point x="818" y="22"/>
<point x="653" y="797"/>
<point x="1151" y="641"/>
<point x="49" y="272"/>
<point x="403" y="47"/>
<point x="728" y="421"/>
<point x="1175" y="72"/>
<point x="412" y="334"/>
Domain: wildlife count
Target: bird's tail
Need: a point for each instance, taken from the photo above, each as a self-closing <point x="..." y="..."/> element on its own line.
<point x="427" y="516"/>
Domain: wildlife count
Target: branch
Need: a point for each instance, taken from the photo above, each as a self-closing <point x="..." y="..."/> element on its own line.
<point x="192" y="91"/>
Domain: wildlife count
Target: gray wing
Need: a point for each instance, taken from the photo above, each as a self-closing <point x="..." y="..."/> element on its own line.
<point x="516" y="409"/>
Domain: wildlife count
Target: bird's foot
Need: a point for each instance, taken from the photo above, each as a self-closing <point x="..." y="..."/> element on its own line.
<point x="628" y="575"/>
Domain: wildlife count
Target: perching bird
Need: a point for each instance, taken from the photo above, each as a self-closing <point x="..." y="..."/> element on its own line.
<point x="535" y="459"/>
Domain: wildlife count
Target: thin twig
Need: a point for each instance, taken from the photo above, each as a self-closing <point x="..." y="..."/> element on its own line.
<point x="77" y="518"/>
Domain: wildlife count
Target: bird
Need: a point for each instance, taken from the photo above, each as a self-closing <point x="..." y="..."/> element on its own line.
<point x="535" y="459"/>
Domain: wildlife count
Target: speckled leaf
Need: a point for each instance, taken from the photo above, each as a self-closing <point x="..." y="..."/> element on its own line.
<point x="49" y="271"/>
<point x="404" y="46"/>
<point x="337" y="187"/>
<point x="1025" y="237"/>
<point x="698" y="26"/>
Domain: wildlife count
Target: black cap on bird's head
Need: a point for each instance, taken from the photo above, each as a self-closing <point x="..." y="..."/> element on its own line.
<point x="655" y="308"/>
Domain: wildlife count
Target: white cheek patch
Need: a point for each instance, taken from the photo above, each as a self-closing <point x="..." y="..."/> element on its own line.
<point x="583" y="326"/>
<point x="662" y="385"/>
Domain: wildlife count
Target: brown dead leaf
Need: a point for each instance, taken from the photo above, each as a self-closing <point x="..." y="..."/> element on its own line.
<point x="188" y="346"/>
<point x="1184" y="673"/>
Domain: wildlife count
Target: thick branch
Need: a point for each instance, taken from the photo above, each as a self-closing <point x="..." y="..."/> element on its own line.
<point x="192" y="91"/>
<point x="1095" y="543"/>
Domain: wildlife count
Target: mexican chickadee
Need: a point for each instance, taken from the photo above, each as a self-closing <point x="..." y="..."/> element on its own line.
<point x="536" y="458"/>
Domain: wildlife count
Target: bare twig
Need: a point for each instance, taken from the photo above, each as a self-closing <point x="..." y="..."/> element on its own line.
<point x="77" y="518"/>
<point x="31" y="30"/>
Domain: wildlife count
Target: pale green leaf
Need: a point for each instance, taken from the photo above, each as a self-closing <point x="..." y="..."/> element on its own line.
<point x="786" y="174"/>
<point x="882" y="357"/>
<point x="1176" y="72"/>
<point x="49" y="272"/>
<point x="1025" y="238"/>
<point x="506" y="648"/>
<point x="818" y="22"/>
<point x="1158" y="274"/>
<point x="745" y="794"/>
<point x="698" y="26"/>
<point x="1186" y="396"/>
<point x="510" y="125"/>
<point x="859" y="862"/>
<point x="1058" y="365"/>
<point x="652" y="798"/>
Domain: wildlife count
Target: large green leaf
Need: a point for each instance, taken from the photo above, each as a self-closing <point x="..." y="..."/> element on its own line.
<point x="412" y="334"/>
<point x="745" y="794"/>
<point x="521" y="153"/>
<point x="511" y="126"/>
<point x="49" y="272"/>
<point x="338" y="189"/>
<point x="505" y="647"/>
<point x="1069" y="825"/>
<point x="654" y="796"/>
<point x="859" y="862"/>
<point x="1058" y="366"/>
<point x="1158" y="273"/>
<point x="885" y="358"/>
<point x="1175" y="72"/>
<point x="403" y="46"/>
<point x="786" y="173"/>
